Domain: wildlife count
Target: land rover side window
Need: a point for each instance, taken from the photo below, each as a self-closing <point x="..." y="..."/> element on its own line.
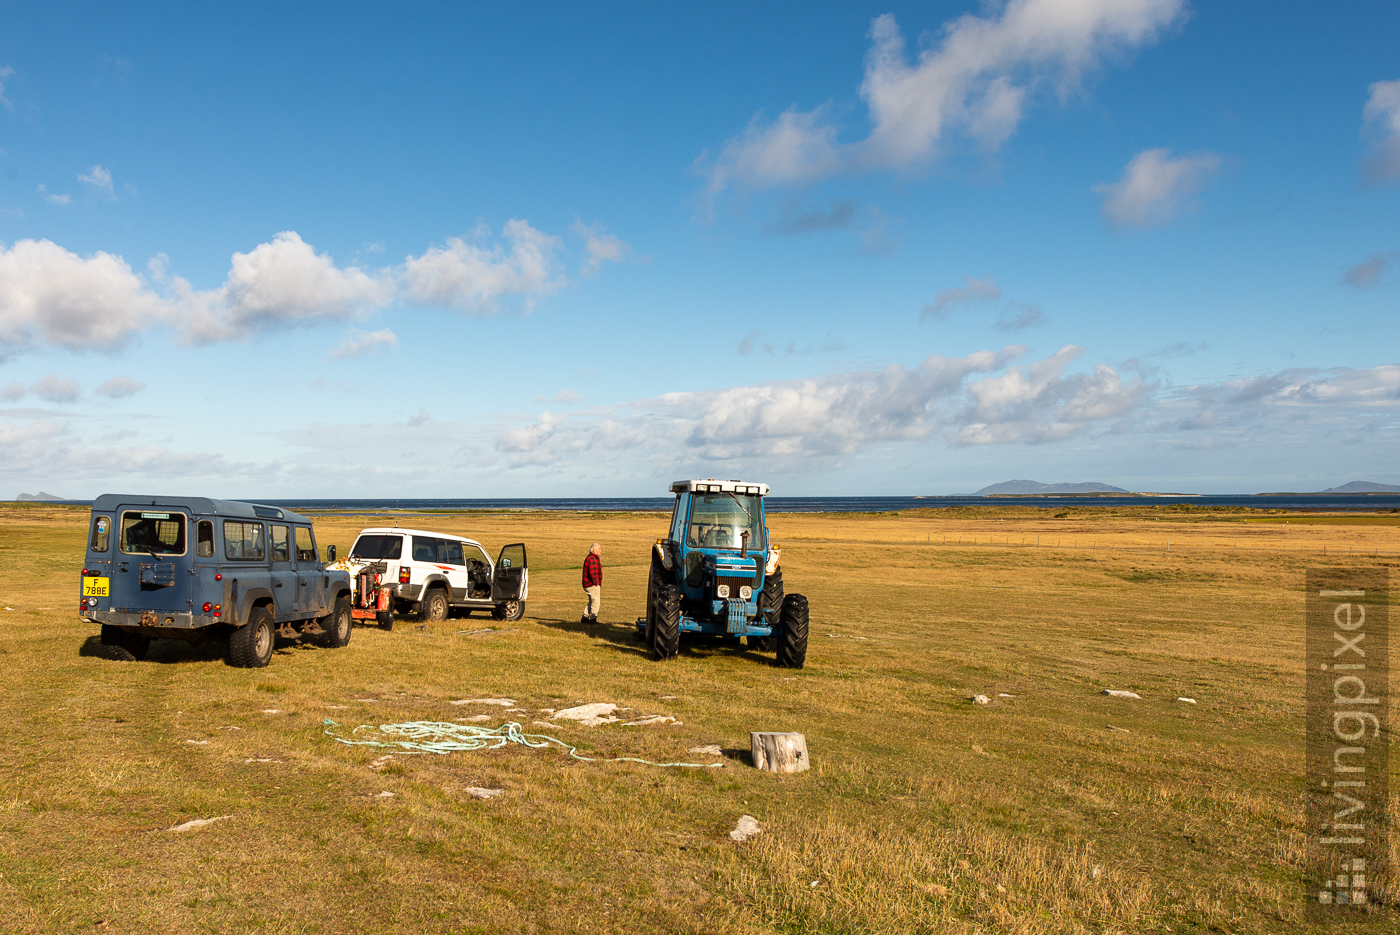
<point x="101" y="534"/>
<point x="306" y="545"/>
<point x="243" y="541"/>
<point x="151" y="532"/>
<point x="377" y="547"/>
<point x="425" y="549"/>
<point x="204" y="539"/>
<point x="719" y="520"/>
<point x="281" y="548"/>
<point x="453" y="556"/>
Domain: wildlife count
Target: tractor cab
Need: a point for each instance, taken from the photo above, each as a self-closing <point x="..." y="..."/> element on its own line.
<point x="717" y="573"/>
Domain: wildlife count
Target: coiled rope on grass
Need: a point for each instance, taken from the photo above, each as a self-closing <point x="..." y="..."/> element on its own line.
<point x="446" y="737"/>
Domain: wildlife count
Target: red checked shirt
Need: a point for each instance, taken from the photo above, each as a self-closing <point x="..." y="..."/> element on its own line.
<point x="592" y="571"/>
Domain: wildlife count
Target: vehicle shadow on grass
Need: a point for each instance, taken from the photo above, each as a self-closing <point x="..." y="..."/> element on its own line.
<point x="175" y="652"/>
<point x="624" y="639"/>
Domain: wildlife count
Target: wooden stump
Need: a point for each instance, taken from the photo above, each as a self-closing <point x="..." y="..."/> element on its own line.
<point x="780" y="752"/>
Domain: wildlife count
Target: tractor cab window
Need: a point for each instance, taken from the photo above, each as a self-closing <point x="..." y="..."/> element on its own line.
<point x="152" y="533"/>
<point x="719" y="521"/>
<point x="677" y="533"/>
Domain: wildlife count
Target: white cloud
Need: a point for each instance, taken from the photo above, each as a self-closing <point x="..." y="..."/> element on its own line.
<point x="6" y="73"/>
<point x="1368" y="274"/>
<point x="977" y="80"/>
<point x="474" y="278"/>
<point x="56" y="389"/>
<point x="1154" y="186"/>
<point x="119" y="388"/>
<point x="972" y="290"/>
<point x="40" y="450"/>
<point x="276" y="284"/>
<point x="53" y="198"/>
<point x="1018" y="316"/>
<point x="1382" y="124"/>
<point x="12" y="391"/>
<point x="978" y="399"/>
<point x="50" y="296"/>
<point x="100" y="179"/>
<point x="601" y="247"/>
<point x="357" y="343"/>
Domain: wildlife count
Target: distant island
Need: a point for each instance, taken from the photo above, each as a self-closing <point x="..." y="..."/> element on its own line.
<point x="1021" y="488"/>
<point x="1356" y="486"/>
<point x="38" y="496"/>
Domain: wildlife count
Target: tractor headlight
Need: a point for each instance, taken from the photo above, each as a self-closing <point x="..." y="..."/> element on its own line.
<point x="722" y="590"/>
<point x="745" y="592"/>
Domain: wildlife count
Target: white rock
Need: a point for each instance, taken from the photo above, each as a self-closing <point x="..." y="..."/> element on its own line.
<point x="1004" y="695"/>
<point x="981" y="699"/>
<point x="544" y="724"/>
<point x="476" y="717"/>
<point x="1187" y="700"/>
<point x="589" y="715"/>
<point x="199" y="743"/>
<point x="1118" y="693"/>
<point x="709" y="750"/>
<point x="503" y="702"/>
<point x="261" y="759"/>
<point x="481" y="793"/>
<point x="745" y="829"/>
<point x="198" y="823"/>
<point x="653" y="720"/>
<point x="271" y="710"/>
<point x="385" y="795"/>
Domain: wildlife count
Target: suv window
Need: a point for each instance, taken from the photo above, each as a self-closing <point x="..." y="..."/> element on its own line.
<point x="243" y="541"/>
<point x="426" y="549"/>
<point x="453" y="554"/>
<point x="204" y="539"/>
<point x="306" y="545"/>
<point x="377" y="547"/>
<point x="101" y="534"/>
<point x="150" y="532"/>
<point x="281" y="549"/>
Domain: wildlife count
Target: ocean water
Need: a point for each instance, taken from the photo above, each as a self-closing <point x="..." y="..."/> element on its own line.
<point x="1350" y="502"/>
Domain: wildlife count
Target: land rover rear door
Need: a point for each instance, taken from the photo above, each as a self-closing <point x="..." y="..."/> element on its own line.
<point x="512" y="579"/>
<point x="151" y="570"/>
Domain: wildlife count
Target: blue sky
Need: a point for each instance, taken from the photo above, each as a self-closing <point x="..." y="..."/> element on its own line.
<point x="544" y="250"/>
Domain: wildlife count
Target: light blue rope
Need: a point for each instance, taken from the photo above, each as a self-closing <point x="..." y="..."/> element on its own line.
<point x="445" y="737"/>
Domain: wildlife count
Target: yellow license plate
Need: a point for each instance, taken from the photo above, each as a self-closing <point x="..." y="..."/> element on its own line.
<point x="95" y="587"/>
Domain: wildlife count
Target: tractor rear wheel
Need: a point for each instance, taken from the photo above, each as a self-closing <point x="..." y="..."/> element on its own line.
<point x="666" y="622"/>
<point x="792" y="640"/>
<point x="770" y="605"/>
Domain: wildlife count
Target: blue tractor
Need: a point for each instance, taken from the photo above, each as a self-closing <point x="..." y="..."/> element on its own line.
<point x="716" y="573"/>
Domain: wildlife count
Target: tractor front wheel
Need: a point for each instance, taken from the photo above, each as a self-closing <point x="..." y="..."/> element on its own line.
<point x="792" y="640"/>
<point x="665" y="635"/>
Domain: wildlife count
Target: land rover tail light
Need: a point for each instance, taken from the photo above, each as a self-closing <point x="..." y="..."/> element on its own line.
<point x="85" y="572"/>
<point x="404" y="573"/>
<point x="218" y="577"/>
<point x="218" y="610"/>
<point x="208" y="607"/>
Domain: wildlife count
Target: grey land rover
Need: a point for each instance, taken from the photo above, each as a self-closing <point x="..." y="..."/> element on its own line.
<point x="195" y="569"/>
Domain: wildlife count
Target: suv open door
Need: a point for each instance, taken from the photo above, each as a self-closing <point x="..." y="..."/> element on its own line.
<point x="510" y="586"/>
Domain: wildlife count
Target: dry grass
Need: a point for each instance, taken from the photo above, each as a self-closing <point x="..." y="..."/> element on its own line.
<point x="923" y="813"/>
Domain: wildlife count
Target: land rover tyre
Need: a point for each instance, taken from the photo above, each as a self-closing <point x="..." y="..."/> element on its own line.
<point x="666" y="622"/>
<point x="770" y="605"/>
<point x="792" y="635"/>
<point x="434" y="606"/>
<point x="250" y="646"/>
<point x="120" y="646"/>
<point x="337" y="624"/>
<point x="385" y="619"/>
<point x="509" y="611"/>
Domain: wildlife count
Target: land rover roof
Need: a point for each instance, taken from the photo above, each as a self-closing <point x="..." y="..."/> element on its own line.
<point x="199" y="506"/>
<point x="710" y="485"/>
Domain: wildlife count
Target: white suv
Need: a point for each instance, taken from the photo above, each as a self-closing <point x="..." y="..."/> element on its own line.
<point x="430" y="572"/>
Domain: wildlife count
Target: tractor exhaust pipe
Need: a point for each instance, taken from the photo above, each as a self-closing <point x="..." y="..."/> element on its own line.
<point x="744" y="544"/>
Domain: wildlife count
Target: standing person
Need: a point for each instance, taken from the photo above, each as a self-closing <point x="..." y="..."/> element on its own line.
<point x="593" y="583"/>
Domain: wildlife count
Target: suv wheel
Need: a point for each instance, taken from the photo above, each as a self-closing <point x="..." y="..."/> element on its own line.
<point x="250" y="646"/>
<point x="434" y="607"/>
<point x="338" y="624"/>
<point x="509" y="611"/>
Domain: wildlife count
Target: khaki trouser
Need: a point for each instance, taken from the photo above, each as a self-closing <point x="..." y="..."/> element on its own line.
<point x="595" y="600"/>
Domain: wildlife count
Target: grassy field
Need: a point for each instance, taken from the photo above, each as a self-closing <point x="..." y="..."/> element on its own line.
<point x="1053" y="809"/>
